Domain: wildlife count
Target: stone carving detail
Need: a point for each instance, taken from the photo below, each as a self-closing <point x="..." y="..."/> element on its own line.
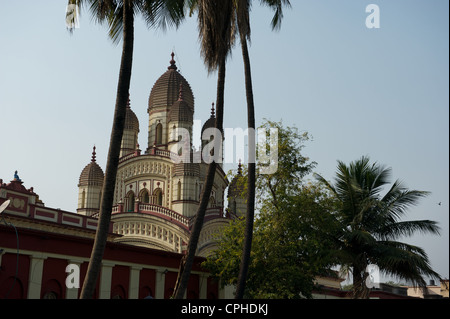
<point x="171" y="240"/>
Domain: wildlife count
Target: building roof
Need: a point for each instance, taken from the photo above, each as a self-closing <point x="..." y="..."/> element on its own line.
<point x="211" y="122"/>
<point x="237" y="186"/>
<point x="92" y="174"/>
<point x="180" y="110"/>
<point x="165" y="92"/>
<point x="131" y="120"/>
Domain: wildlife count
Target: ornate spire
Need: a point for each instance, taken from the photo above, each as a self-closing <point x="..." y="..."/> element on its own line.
<point x="213" y="111"/>
<point x="172" y="63"/>
<point x="128" y="102"/>
<point x="94" y="154"/>
<point x="240" y="168"/>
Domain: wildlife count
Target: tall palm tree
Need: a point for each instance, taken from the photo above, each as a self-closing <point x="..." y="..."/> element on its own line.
<point x="369" y="225"/>
<point x="216" y="35"/>
<point x="120" y="17"/>
<point x="242" y="18"/>
<point x="218" y="23"/>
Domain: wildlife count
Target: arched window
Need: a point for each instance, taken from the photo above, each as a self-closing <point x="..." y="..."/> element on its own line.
<point x="158" y="138"/>
<point x="51" y="290"/>
<point x="118" y="292"/>
<point x="179" y="191"/>
<point x="50" y="295"/>
<point x="130" y="202"/>
<point x="196" y="191"/>
<point x="174" y="133"/>
<point x="212" y="202"/>
<point x="83" y="199"/>
<point x="157" y="196"/>
<point x="144" y="196"/>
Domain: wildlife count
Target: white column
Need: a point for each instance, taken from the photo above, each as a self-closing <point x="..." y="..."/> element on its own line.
<point x="105" y="281"/>
<point x="133" y="291"/>
<point x="160" y="283"/>
<point x="203" y="289"/>
<point x="35" y="278"/>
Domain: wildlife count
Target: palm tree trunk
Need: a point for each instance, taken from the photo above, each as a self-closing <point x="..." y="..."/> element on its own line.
<point x="113" y="154"/>
<point x="188" y="259"/>
<point x="245" y="259"/>
<point x="360" y="289"/>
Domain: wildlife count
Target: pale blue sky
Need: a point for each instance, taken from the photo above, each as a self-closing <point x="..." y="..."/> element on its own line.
<point x="357" y="91"/>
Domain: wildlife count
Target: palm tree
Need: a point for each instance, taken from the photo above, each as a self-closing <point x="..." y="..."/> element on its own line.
<point x="120" y="16"/>
<point x="218" y="23"/>
<point x="216" y="34"/>
<point x="369" y="225"/>
<point x="242" y="12"/>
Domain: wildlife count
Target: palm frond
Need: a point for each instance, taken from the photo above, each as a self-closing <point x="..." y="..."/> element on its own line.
<point x="407" y="228"/>
<point x="407" y="262"/>
<point x="163" y="13"/>
<point x="217" y="30"/>
<point x="327" y="184"/>
<point x="115" y="23"/>
<point x="370" y="222"/>
<point x="277" y="6"/>
<point x="399" y="201"/>
<point x="101" y="9"/>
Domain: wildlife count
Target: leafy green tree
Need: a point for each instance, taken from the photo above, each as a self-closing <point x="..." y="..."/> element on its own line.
<point x="368" y="225"/>
<point x="242" y="10"/>
<point x="290" y="241"/>
<point x="119" y="14"/>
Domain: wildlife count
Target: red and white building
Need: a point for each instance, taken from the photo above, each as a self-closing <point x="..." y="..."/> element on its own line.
<point x="155" y="202"/>
<point x="34" y="260"/>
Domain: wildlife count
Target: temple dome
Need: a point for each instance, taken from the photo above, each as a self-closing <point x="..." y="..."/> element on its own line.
<point x="131" y="120"/>
<point x="187" y="169"/>
<point x="180" y="110"/>
<point x="237" y="185"/>
<point x="165" y="92"/>
<point x="211" y="122"/>
<point x="92" y="174"/>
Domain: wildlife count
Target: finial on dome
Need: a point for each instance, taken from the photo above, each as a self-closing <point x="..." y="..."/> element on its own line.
<point x="240" y="168"/>
<point x="213" y="111"/>
<point x="93" y="154"/>
<point x="172" y="63"/>
<point x="128" y="102"/>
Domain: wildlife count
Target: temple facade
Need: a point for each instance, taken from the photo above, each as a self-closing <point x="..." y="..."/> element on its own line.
<point x="155" y="202"/>
<point x="157" y="194"/>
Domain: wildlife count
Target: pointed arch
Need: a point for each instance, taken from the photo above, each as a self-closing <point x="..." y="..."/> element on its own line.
<point x="174" y="133"/>
<point x="158" y="197"/>
<point x="83" y="199"/>
<point x="158" y="136"/>
<point x="212" y="202"/>
<point x="144" y="196"/>
<point x="129" y="201"/>
<point x="179" y="191"/>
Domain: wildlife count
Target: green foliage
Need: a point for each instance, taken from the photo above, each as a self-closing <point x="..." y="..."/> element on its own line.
<point x="303" y="227"/>
<point x="291" y="233"/>
<point x="368" y="225"/>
